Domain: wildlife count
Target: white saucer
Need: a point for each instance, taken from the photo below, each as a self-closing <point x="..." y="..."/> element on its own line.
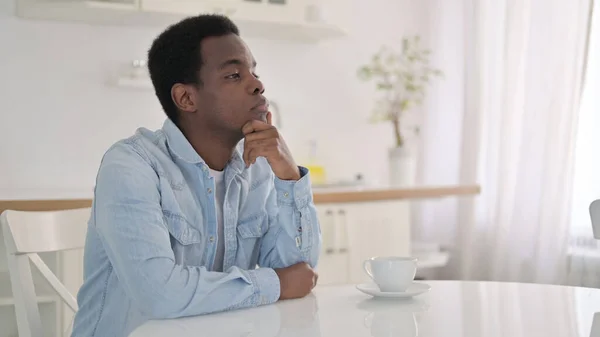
<point x="414" y="290"/>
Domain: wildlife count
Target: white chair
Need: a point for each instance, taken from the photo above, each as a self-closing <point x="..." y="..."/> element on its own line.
<point x="595" y="216"/>
<point x="28" y="233"/>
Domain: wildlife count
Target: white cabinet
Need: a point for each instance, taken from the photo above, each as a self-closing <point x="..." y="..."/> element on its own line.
<point x="294" y="20"/>
<point x="334" y="262"/>
<point x="354" y="232"/>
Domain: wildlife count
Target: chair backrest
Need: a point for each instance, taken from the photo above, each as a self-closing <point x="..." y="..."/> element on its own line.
<point x="39" y="232"/>
<point x="595" y="216"/>
<point x="29" y="233"/>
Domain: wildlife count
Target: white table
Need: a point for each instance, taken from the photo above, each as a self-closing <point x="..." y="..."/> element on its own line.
<point x="450" y="309"/>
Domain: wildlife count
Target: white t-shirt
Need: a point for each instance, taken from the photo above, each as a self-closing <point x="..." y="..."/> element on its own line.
<point x="219" y="200"/>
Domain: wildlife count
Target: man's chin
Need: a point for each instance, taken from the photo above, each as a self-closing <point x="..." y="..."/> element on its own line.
<point x="262" y="116"/>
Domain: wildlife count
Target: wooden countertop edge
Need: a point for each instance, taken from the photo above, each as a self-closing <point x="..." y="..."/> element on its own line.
<point x="319" y="197"/>
<point x="44" y="204"/>
<point x="395" y="194"/>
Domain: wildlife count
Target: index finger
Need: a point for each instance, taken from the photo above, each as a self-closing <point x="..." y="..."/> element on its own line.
<point x="255" y="125"/>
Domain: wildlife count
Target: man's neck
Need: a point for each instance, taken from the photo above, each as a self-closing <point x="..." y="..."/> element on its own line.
<point x="212" y="146"/>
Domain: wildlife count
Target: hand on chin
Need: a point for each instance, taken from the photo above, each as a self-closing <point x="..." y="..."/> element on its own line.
<point x="262" y="139"/>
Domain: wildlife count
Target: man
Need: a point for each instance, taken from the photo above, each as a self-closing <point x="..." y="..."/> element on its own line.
<point x="208" y="214"/>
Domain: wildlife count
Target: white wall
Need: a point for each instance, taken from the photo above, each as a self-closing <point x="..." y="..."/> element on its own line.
<point x="436" y="220"/>
<point x="58" y="114"/>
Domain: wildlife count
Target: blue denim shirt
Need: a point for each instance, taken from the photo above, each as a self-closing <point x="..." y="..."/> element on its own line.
<point x="152" y="235"/>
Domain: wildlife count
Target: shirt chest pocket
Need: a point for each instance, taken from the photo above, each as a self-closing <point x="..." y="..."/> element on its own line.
<point x="250" y="232"/>
<point x="185" y="241"/>
<point x="181" y="230"/>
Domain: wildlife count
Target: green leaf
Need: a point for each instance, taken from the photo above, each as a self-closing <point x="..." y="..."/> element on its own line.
<point x="384" y="86"/>
<point x="376" y="58"/>
<point x="390" y="60"/>
<point x="364" y="73"/>
<point x="380" y="113"/>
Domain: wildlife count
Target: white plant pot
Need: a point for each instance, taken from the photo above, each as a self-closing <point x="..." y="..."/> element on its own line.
<point x="402" y="164"/>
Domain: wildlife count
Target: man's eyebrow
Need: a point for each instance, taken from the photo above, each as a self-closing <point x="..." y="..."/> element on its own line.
<point x="234" y="62"/>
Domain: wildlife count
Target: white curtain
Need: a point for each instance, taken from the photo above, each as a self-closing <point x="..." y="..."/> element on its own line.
<point x="523" y="66"/>
<point x="584" y="266"/>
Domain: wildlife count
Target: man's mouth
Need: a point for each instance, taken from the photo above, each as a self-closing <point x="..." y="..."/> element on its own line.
<point x="262" y="106"/>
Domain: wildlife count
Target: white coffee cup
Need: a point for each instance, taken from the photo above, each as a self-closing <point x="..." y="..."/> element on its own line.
<point x="391" y="273"/>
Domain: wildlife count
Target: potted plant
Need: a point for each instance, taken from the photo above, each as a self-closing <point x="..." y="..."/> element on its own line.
<point x="401" y="77"/>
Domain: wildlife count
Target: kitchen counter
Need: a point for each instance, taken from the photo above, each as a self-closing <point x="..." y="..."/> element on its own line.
<point x="321" y="196"/>
<point x="344" y="195"/>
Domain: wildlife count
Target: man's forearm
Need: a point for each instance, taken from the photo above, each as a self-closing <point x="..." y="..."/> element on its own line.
<point x="144" y="263"/>
<point x="294" y="234"/>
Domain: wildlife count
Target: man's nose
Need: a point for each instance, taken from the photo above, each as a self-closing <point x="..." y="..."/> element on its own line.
<point x="257" y="87"/>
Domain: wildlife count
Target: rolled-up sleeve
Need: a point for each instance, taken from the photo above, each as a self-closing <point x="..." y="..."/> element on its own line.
<point x="130" y="223"/>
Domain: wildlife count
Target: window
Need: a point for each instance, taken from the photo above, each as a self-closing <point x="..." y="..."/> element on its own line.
<point x="586" y="184"/>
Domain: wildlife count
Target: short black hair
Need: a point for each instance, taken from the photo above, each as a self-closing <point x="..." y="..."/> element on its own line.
<point x="175" y="57"/>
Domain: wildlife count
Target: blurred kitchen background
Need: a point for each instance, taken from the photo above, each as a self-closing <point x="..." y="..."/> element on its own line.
<point x="60" y="85"/>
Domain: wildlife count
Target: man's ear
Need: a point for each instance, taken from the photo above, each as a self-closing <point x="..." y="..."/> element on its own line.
<point x="184" y="97"/>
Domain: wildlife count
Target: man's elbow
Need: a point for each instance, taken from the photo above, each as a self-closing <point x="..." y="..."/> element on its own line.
<point x="159" y="306"/>
<point x="159" y="301"/>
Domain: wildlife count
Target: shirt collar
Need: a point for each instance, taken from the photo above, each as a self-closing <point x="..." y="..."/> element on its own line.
<point x="181" y="147"/>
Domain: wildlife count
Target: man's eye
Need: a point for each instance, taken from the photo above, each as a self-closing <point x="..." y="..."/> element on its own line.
<point x="233" y="76"/>
<point x="256" y="75"/>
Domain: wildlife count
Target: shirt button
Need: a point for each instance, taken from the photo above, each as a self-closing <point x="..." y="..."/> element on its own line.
<point x="211" y="239"/>
<point x="286" y="194"/>
<point x="209" y="190"/>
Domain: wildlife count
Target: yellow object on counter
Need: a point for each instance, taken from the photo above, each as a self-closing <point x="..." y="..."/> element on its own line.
<point x="317" y="174"/>
<point x="316" y="170"/>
